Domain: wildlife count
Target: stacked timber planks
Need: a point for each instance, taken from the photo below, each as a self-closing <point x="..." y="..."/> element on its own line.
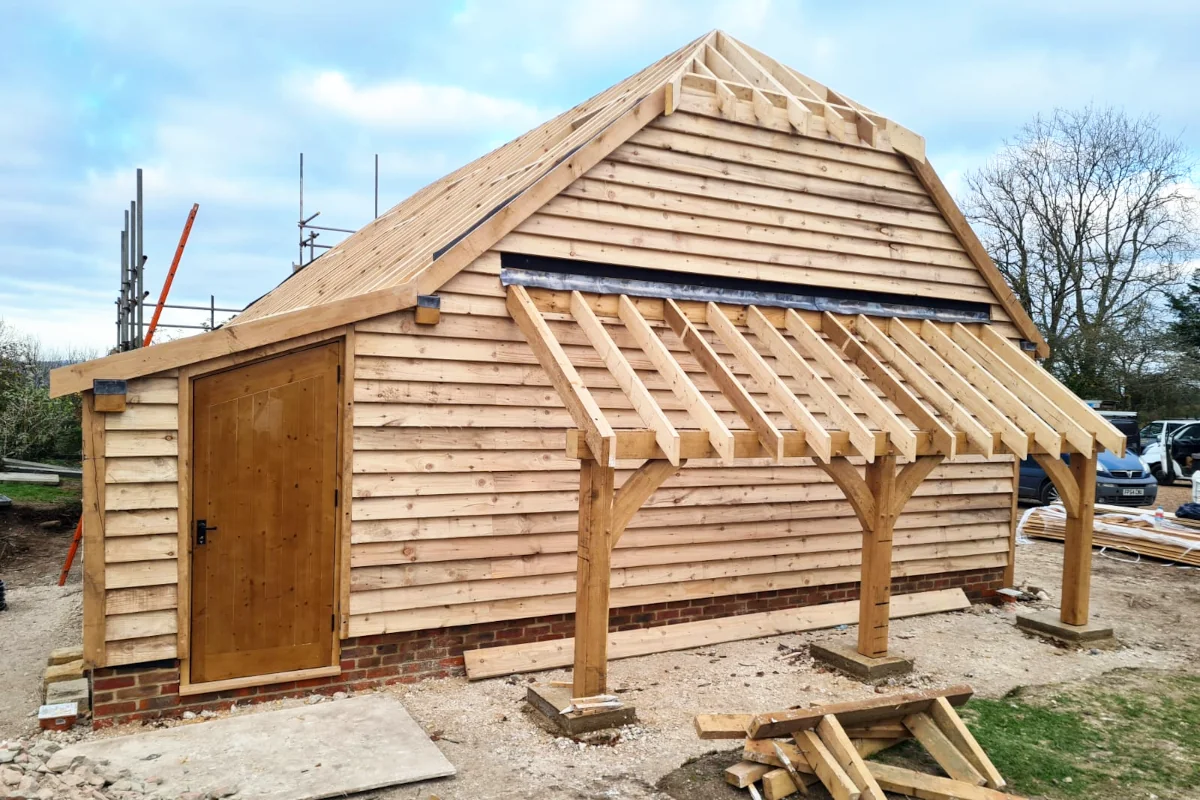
<point x="465" y="504"/>
<point x="1129" y="531"/>
<point x="788" y="751"/>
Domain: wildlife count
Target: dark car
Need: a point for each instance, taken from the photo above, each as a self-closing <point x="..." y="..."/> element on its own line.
<point x="1119" y="481"/>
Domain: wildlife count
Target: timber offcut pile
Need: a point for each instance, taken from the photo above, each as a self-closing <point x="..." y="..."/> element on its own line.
<point x="788" y="751"/>
<point x="1127" y="530"/>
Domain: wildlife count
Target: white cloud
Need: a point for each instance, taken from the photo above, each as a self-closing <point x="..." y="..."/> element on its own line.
<point x="410" y="105"/>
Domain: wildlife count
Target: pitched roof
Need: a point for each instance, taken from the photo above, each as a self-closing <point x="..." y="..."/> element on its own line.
<point x="422" y="242"/>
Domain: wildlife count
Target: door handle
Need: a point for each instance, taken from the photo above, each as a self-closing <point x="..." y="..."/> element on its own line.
<point x="202" y="529"/>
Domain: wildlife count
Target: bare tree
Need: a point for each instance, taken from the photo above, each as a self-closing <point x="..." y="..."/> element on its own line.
<point x="1090" y="217"/>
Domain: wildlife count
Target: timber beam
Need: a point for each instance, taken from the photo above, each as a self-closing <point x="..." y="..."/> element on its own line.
<point x="1076" y="484"/>
<point x="604" y="511"/>
<point x="641" y="444"/>
<point x="877" y="497"/>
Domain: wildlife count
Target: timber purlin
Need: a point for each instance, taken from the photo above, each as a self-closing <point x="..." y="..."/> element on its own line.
<point x="148" y="691"/>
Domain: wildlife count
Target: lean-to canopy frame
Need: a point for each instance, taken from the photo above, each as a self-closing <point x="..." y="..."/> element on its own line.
<point x="415" y="247"/>
<point x="758" y="382"/>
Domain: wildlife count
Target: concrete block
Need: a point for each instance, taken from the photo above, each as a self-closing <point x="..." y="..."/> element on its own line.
<point x="853" y="663"/>
<point x="76" y="691"/>
<point x="1050" y="624"/>
<point x="64" y="655"/>
<point x="332" y="749"/>
<point x="69" y="671"/>
<point x="549" y="701"/>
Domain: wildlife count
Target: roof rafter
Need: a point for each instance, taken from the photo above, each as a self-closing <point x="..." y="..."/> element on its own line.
<point x="627" y="378"/>
<point x="571" y="389"/>
<point x="734" y="392"/>
<point x="696" y="404"/>
<point x="768" y="379"/>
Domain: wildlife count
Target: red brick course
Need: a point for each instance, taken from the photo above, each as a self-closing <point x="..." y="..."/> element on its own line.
<point x="151" y="691"/>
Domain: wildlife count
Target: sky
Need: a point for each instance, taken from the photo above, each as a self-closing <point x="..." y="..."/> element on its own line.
<point x="216" y="99"/>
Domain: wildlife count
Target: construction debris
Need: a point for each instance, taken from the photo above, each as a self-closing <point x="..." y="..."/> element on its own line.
<point x="1168" y="538"/>
<point x="828" y="744"/>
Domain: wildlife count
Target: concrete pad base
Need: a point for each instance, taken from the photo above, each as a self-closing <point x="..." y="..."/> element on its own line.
<point x="865" y="668"/>
<point x="549" y="701"/>
<point x="329" y="749"/>
<point x="1048" y="623"/>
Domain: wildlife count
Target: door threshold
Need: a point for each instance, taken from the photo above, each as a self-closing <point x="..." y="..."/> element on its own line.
<point x="208" y="687"/>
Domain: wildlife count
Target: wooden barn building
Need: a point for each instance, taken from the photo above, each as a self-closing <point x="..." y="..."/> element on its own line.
<point x="719" y="292"/>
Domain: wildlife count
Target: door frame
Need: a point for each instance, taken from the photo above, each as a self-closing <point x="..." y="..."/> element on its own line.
<point x="342" y="453"/>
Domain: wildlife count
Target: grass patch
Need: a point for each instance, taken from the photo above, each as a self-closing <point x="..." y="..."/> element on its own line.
<point x="66" y="492"/>
<point x="1128" y="734"/>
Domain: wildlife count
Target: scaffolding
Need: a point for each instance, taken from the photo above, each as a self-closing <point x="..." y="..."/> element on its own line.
<point x="131" y="300"/>
<point x="310" y="232"/>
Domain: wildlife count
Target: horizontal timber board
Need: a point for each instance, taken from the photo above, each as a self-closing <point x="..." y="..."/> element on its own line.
<point x="136" y="651"/>
<point x="521" y="608"/>
<point x="118" y="444"/>
<point x="496" y="661"/>
<point x="531" y="502"/>
<point x="733" y="534"/>
<point x="932" y="542"/>
<point x="366" y="601"/>
<point x="143" y="418"/>
<point x="146" y="469"/>
<point x="398" y="483"/>
<point x="139" y="599"/>
<point x="437" y="528"/>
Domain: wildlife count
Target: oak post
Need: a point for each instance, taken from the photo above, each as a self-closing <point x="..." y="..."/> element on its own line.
<point x="875" y="594"/>
<point x="592" y="578"/>
<point x="1077" y="551"/>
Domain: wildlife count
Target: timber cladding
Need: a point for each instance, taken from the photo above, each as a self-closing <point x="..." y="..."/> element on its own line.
<point x="150" y="691"/>
<point x="140" y="523"/>
<point x="465" y="504"/>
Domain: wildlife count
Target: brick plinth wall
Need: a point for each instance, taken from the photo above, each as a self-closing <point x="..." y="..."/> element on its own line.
<point x="151" y="691"/>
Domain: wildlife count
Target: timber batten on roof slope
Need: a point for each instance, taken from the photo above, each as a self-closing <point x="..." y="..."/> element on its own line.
<point x="418" y="245"/>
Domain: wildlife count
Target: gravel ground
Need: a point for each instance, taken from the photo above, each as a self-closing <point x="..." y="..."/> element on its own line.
<point x="41" y="616"/>
<point x="1172" y="497"/>
<point x="500" y="751"/>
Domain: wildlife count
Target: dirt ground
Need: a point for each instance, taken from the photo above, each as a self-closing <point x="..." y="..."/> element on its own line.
<point x="41" y="615"/>
<point x="500" y="752"/>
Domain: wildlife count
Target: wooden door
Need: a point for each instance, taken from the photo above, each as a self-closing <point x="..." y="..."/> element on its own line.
<point x="265" y="466"/>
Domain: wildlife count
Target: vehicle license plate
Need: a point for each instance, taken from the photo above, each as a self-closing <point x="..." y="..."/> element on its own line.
<point x="1133" y="492"/>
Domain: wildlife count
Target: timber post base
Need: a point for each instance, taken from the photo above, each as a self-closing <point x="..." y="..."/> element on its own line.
<point x="867" y="669"/>
<point x="1050" y="625"/>
<point x="548" y="702"/>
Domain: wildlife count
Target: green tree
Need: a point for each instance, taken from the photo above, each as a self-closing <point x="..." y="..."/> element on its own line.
<point x="1089" y="216"/>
